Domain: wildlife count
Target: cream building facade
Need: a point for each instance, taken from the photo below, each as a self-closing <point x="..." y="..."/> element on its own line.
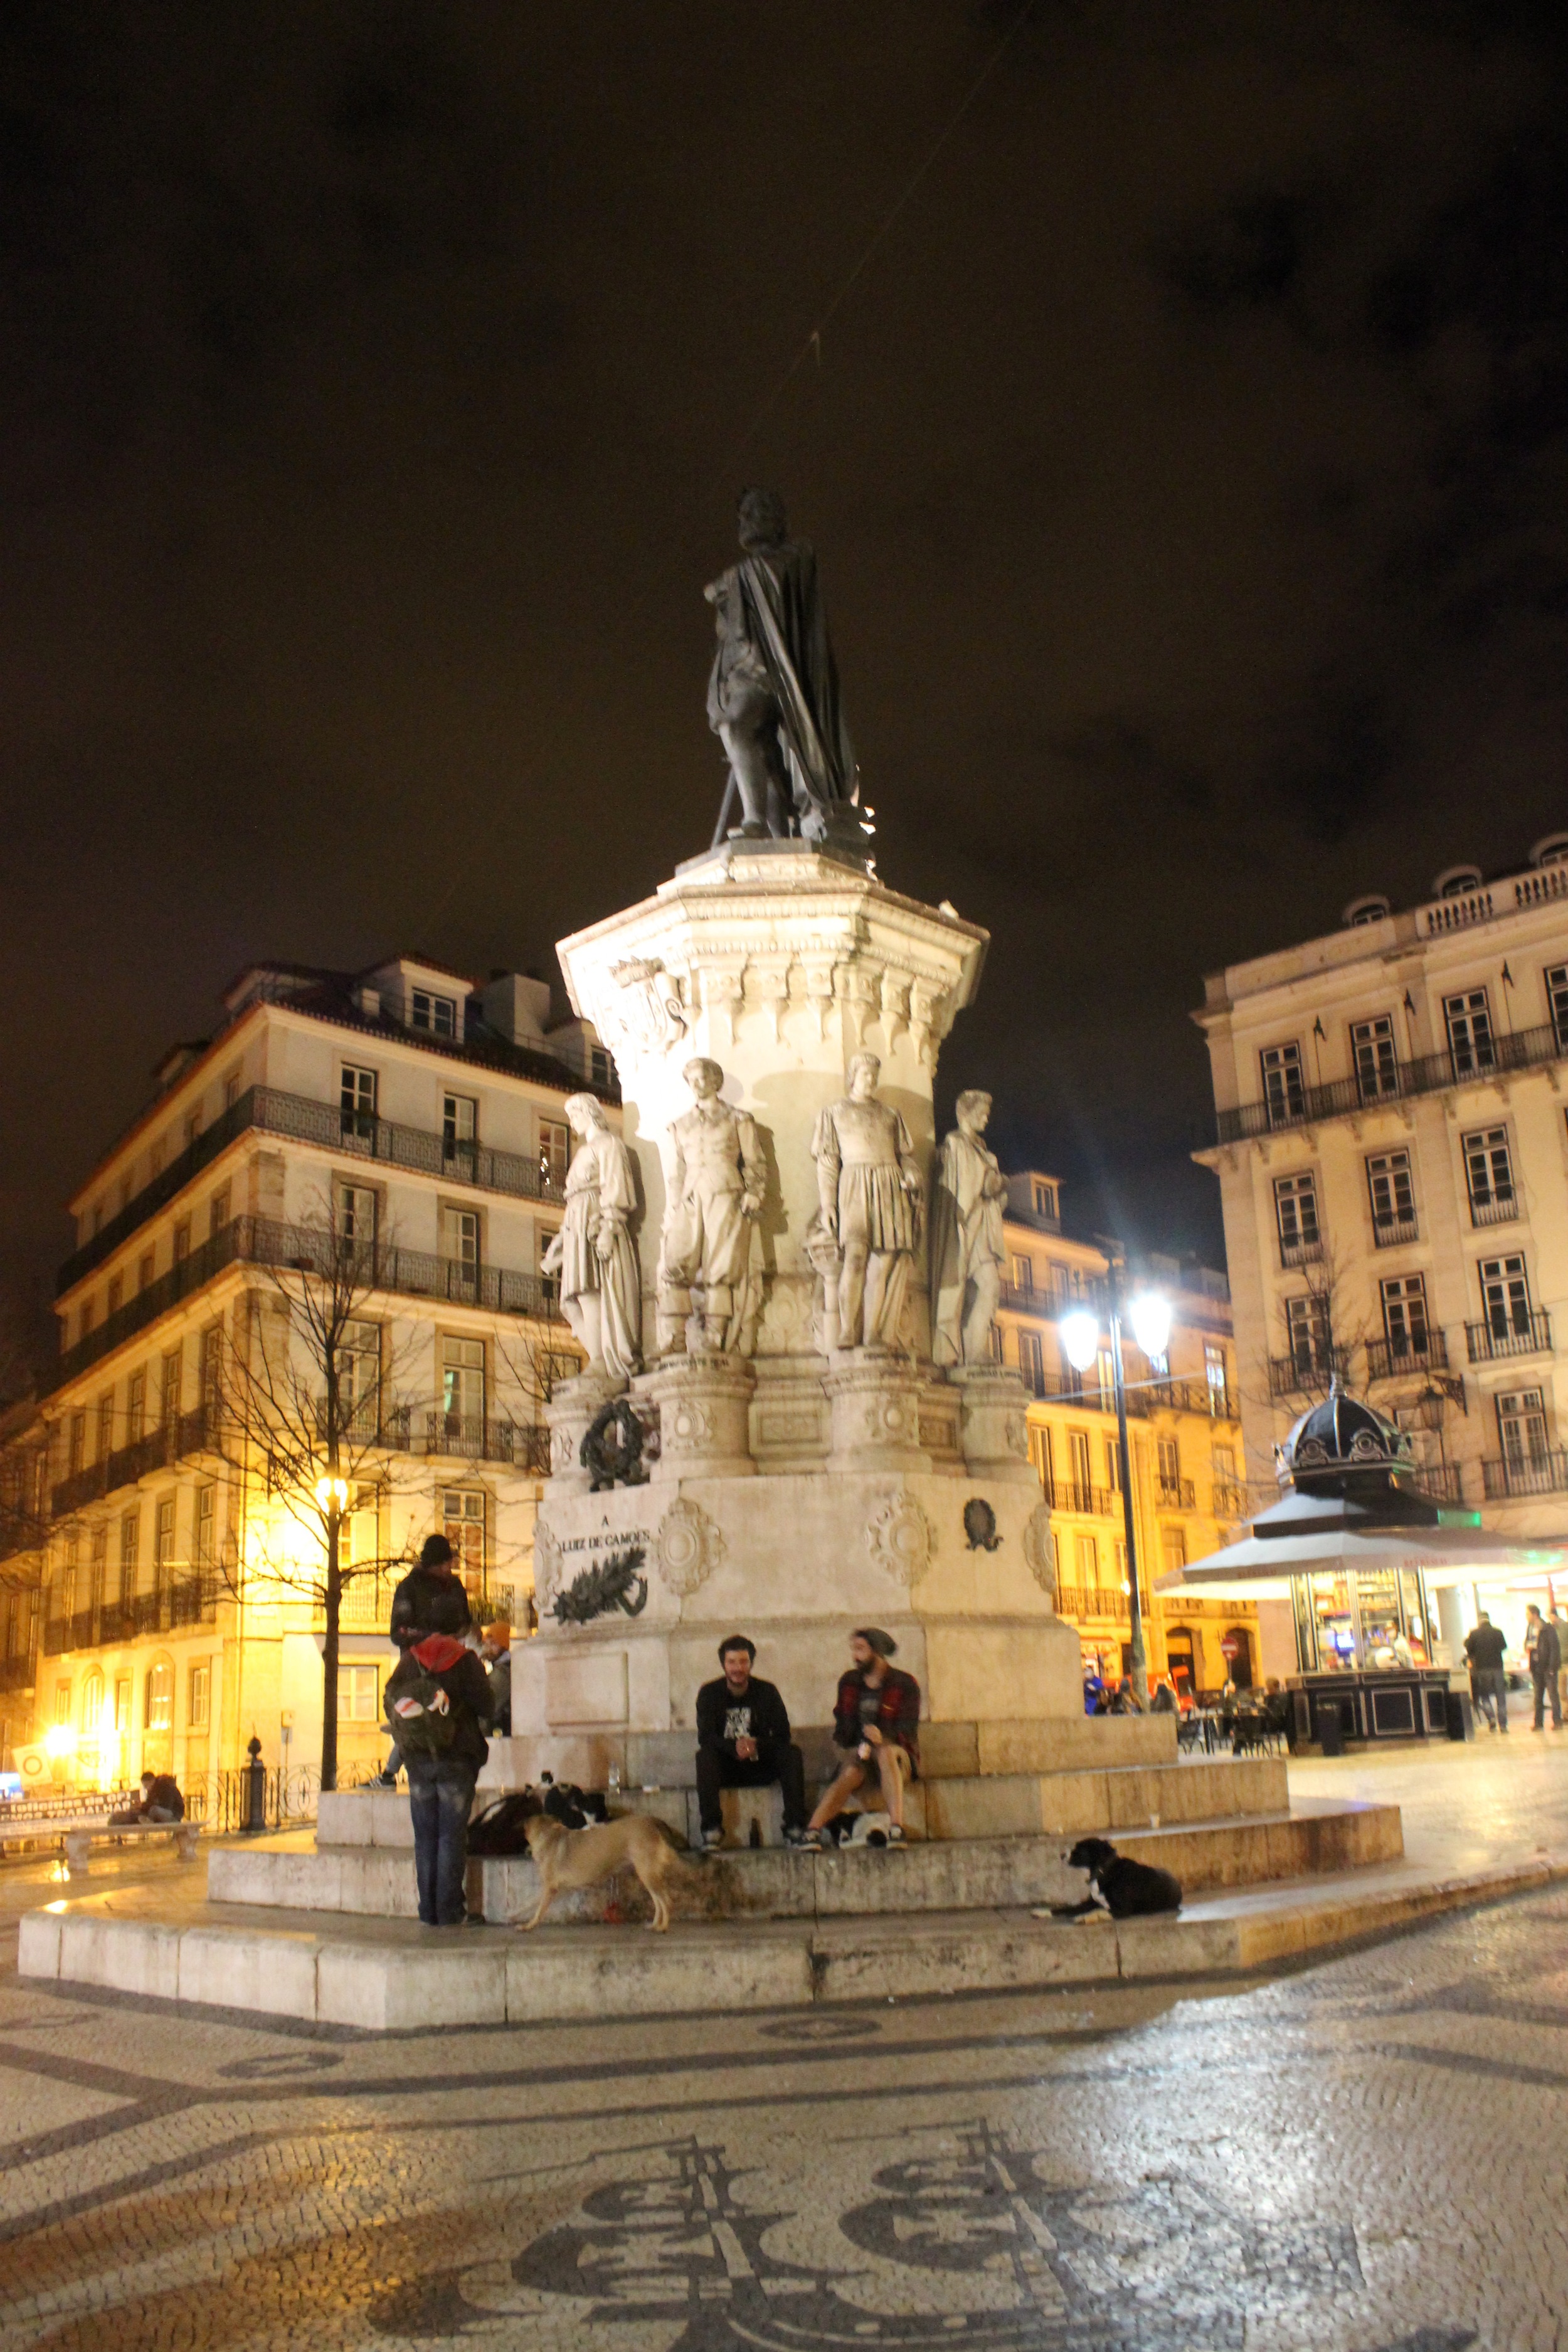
<point x="1184" y="1435"/>
<point x="418" y="1118"/>
<point x="1393" y="1156"/>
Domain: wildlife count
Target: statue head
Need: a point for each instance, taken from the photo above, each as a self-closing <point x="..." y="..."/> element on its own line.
<point x="704" y="1077"/>
<point x="973" y="1108"/>
<point x="864" y="1072"/>
<point x="585" y="1113"/>
<point x="761" y="516"/>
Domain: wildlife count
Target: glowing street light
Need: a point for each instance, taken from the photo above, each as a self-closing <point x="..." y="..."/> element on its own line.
<point x="1151" y="1315"/>
<point x="332" y="1496"/>
<point x="1079" y="1332"/>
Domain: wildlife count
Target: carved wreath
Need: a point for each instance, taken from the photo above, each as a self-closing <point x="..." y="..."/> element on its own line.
<point x="609" y="1584"/>
<point x="612" y="1447"/>
<point x="689" y="1547"/>
<point x="902" y="1538"/>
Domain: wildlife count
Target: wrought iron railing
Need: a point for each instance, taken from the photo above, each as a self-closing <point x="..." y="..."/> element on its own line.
<point x="1393" y="1359"/>
<point x="1443" y="1481"/>
<point x="1302" y="1252"/>
<point x="183" y="1600"/>
<point x="270" y="1110"/>
<point x="1524" y="1334"/>
<point x="1305" y="1369"/>
<point x="173" y="1441"/>
<point x="1485" y="1059"/>
<point x="1087" y="1502"/>
<point x="1176" y="1495"/>
<point x="1545" y="1473"/>
<point x="1495" y="1208"/>
<point x="1229" y="1502"/>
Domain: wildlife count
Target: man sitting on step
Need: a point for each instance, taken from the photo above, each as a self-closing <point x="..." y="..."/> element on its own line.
<point x="743" y="1742"/>
<point x="877" y="1717"/>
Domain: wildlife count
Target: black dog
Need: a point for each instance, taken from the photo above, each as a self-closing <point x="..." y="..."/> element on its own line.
<point x="1130" y="1890"/>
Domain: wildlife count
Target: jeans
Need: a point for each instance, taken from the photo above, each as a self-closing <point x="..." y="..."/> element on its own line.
<point x="784" y="1765"/>
<point x="1491" y="1686"/>
<point x="1545" y="1683"/>
<point x="440" y="1799"/>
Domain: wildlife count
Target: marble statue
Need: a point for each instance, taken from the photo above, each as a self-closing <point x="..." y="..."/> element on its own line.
<point x="717" y="1181"/>
<point x="869" y="1189"/>
<point x="593" y="1252"/>
<point x="772" y="695"/>
<point x="967" y="1251"/>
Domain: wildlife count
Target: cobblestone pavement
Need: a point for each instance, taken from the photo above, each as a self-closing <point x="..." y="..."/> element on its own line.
<point x="1369" y="2155"/>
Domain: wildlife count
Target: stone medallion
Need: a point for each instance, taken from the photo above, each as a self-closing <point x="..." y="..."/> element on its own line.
<point x="900" y="1538"/>
<point x="689" y="1547"/>
<point x="1040" y="1550"/>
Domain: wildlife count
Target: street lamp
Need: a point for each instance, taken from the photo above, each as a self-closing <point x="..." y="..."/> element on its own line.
<point x="1078" y="1330"/>
<point x="332" y="1496"/>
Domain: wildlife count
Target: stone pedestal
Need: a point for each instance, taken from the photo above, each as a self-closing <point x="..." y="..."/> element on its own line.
<point x="704" y="1406"/>
<point x="875" y="1403"/>
<point x="570" y="1413"/>
<point x="993" y="1427"/>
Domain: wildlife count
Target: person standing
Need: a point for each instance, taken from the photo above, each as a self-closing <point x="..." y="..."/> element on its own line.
<point x="1559" y="1622"/>
<point x="438" y="1703"/>
<point x="1541" y="1644"/>
<point x="743" y="1742"/>
<point x="430" y="1600"/>
<point x="495" y="1651"/>
<point x="1484" y="1647"/>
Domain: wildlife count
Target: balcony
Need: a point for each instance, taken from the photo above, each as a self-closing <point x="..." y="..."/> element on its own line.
<point x="1444" y="1482"/>
<point x="1396" y="1358"/>
<point x="1545" y="1473"/>
<point x="269" y="1111"/>
<point x="1388" y="1232"/>
<point x="17" y="1674"/>
<point x="1429" y="1073"/>
<point x="1087" y="1502"/>
<point x="469" y="1437"/>
<point x="1510" y="1335"/>
<point x="1495" y="1208"/>
<point x="1305" y="1370"/>
<point x="1080" y="1601"/>
<point x="187" y="1433"/>
<point x="305" y="1249"/>
<point x="1302" y="1252"/>
<point x="1175" y="1494"/>
<point x="1227" y="1502"/>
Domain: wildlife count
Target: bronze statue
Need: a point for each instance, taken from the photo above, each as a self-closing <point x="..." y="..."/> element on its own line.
<point x="772" y="696"/>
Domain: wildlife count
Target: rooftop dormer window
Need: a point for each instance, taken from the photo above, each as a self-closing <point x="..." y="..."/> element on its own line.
<point x="436" y="1015"/>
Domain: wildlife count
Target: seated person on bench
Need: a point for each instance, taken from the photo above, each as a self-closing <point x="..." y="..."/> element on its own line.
<point x="743" y="1742"/>
<point x="161" y="1802"/>
<point x="877" y="1717"/>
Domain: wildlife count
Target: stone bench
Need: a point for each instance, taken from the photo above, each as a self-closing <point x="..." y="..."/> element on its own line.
<point x="78" y="1836"/>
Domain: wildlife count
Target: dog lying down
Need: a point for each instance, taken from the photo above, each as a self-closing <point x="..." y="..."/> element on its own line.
<point x="568" y="1860"/>
<point x="1126" y="1889"/>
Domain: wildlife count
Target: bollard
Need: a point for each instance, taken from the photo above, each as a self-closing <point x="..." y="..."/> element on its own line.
<point x="256" y="1795"/>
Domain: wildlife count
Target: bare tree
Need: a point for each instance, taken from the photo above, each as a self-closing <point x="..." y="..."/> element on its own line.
<point x="298" y="1395"/>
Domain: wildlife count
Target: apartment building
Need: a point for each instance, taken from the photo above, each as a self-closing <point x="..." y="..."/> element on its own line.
<point x="24" y="1518"/>
<point x="405" y="1120"/>
<point x="1393" y="1156"/>
<point x="1184" y="1435"/>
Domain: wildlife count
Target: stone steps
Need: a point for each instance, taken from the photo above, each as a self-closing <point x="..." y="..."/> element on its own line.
<point x="782" y="1882"/>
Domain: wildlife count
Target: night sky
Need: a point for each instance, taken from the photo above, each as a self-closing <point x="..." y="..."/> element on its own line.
<point x="1185" y="462"/>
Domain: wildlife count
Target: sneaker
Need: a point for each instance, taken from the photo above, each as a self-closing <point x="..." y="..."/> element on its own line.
<point x="895" y="1833"/>
<point x="811" y="1840"/>
<point x="712" y="1840"/>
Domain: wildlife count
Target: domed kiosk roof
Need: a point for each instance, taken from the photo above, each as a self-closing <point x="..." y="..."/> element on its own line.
<point x="1342" y="1433"/>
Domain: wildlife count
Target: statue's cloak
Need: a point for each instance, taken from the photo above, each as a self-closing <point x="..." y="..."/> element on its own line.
<point x="782" y="619"/>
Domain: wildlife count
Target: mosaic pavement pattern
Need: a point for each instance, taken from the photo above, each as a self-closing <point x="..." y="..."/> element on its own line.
<point x="1371" y="2155"/>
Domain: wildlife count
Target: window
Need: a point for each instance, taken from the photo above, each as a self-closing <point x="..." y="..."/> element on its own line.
<point x="1505" y="1297"/>
<point x="116" y="1294"/>
<point x="1488" y="1175"/>
<point x="92" y="1703"/>
<point x="1557" y="1003"/>
<point x="1215" y="1374"/>
<point x="136" y="1409"/>
<point x="96" y="1219"/>
<point x="600" y="1067"/>
<point x="1307" y="1332"/>
<point x="193" y="1128"/>
<point x="435" y="1014"/>
<point x="97" y="1566"/>
<point x="62" y="1704"/>
<point x="1170" y="1459"/>
<point x="155" y="1157"/>
<point x="1106" y="1371"/>
<point x="69" y="1577"/>
<point x="211" y="1366"/>
<point x="160" y="1715"/>
<point x="357" y="1103"/>
<point x="1112" y="1467"/>
<point x="206" y="1525"/>
<point x="1521" y="1426"/>
<point x="463" y="1525"/>
<point x="460" y="1125"/>
<point x="1022" y="1273"/>
<point x="1283" y="1093"/>
<point x="1393" y="1197"/>
<point x="76" y="1444"/>
<point x="356" y="1208"/>
<point x="1296" y="1213"/>
<point x="358" y="1695"/>
<point x="1404" y="1316"/>
<point x="231" y="1091"/>
<point x="463" y="1383"/>
<point x="218" y="1211"/>
<point x="1376" y="1062"/>
<point x="1222" y="1461"/>
<point x="460" y="1249"/>
<point x="170" y="1386"/>
<point x="1040" y="1453"/>
<point x="1174" y="1547"/>
<point x="198" y="1698"/>
<point x="555" y="1151"/>
<point x="1031" y="1362"/>
<point x="144" y="1270"/>
<point x="1086" y="1552"/>
<point x="363" y="1528"/>
<point x="122" y="1703"/>
<point x="1470" y="1044"/>
<point x="359" y="1376"/>
<point x="130" y="1543"/>
<point x="1077" y="1454"/>
<point x="1045" y="1200"/>
<point x="182" y="1241"/>
<point x="164" y="1545"/>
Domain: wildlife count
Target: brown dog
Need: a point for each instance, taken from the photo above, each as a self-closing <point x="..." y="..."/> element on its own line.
<point x="568" y="1859"/>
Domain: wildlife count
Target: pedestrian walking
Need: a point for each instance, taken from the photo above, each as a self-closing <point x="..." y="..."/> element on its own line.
<point x="1484" y="1647"/>
<point x="1545" y="1658"/>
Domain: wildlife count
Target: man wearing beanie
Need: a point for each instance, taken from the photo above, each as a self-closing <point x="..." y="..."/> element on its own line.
<point x="430" y="1600"/>
<point x="876" y="1718"/>
<point x="743" y="1742"/>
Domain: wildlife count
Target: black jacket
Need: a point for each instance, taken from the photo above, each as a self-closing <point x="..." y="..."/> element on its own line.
<point x="1484" y="1646"/>
<point x="426" y="1603"/>
<point x="768" y="1722"/>
<point x="1548" y="1654"/>
<point x="466" y="1686"/>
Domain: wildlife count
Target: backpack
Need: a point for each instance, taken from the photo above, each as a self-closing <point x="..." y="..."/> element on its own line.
<point x="418" y="1711"/>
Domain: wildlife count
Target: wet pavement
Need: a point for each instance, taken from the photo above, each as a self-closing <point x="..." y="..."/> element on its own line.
<point x="1370" y="2153"/>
